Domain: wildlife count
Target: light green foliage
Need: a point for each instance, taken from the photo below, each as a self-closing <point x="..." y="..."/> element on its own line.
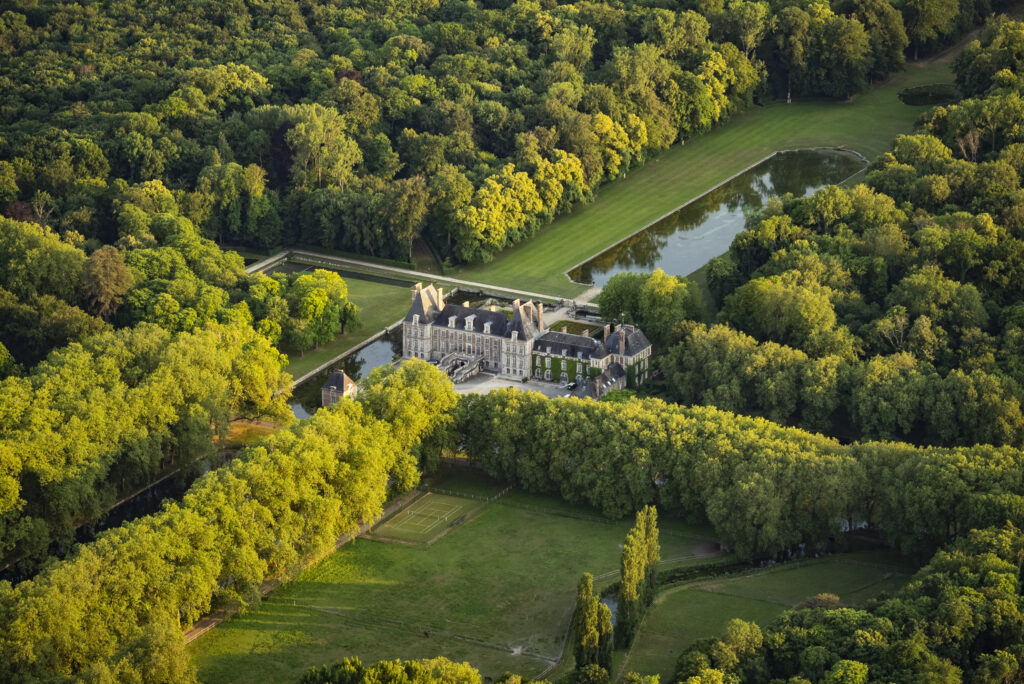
<point x="592" y="628"/>
<point x="318" y="308"/>
<point x="264" y="515"/>
<point x="417" y="399"/>
<point x="641" y="554"/>
<point x="103" y="416"/>
<point x="433" y="671"/>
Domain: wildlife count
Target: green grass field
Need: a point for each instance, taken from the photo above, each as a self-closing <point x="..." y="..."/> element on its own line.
<point x="684" y="614"/>
<point x="379" y="304"/>
<point x="868" y="124"/>
<point x="497" y="591"/>
<point x="427" y="518"/>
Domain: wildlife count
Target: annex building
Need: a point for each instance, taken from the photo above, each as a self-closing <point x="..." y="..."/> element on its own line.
<point x="464" y="340"/>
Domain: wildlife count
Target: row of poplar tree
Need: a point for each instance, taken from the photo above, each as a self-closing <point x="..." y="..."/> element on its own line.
<point x="593" y="636"/>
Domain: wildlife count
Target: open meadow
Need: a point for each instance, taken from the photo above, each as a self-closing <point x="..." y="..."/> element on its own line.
<point x="497" y="590"/>
<point x="681" y="615"/>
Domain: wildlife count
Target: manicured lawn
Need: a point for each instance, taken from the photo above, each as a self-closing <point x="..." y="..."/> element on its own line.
<point x="867" y="124"/>
<point x="427" y="518"/>
<point x="379" y="304"/>
<point x="497" y="592"/>
<point x="682" y="615"/>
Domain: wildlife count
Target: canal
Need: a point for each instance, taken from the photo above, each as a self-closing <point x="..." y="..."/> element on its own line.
<point x="688" y="238"/>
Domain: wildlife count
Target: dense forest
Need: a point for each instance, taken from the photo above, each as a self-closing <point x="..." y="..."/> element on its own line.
<point x="137" y="137"/>
<point x="887" y="310"/>
<point x="361" y="126"/>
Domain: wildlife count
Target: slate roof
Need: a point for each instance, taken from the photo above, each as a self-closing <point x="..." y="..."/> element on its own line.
<point x="525" y="320"/>
<point x="588" y="388"/>
<point x="636" y="341"/>
<point x="500" y="325"/>
<point x="613" y="372"/>
<point x="568" y="344"/>
<point x="425" y="301"/>
<point x="338" y="380"/>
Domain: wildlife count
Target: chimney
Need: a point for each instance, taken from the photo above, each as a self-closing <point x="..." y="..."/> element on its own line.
<point x="440" y="297"/>
<point x="416" y="290"/>
<point x="586" y="332"/>
<point x="607" y="331"/>
<point x="515" y="304"/>
<point x="565" y="329"/>
<point x="622" y="341"/>
<point x="493" y="308"/>
<point x="466" y="303"/>
<point x="540" y="316"/>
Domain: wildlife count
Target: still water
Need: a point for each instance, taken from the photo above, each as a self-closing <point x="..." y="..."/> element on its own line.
<point x="380" y="352"/>
<point x="688" y="238"/>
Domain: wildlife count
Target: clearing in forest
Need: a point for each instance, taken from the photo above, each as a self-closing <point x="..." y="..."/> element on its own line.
<point x="682" y="615"/>
<point x="497" y="591"/>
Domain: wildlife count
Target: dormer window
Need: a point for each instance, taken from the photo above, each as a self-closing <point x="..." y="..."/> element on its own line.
<point x="451" y="321"/>
<point x="487" y="328"/>
<point x="469" y="321"/>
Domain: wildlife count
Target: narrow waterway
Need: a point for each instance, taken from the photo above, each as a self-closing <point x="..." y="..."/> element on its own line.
<point x="685" y="240"/>
<point x="306" y="397"/>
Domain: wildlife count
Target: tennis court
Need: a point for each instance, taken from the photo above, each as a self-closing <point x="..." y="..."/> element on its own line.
<point x="426" y="518"/>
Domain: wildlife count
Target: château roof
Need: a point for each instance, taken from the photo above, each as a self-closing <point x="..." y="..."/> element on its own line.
<point x="568" y="344"/>
<point x="500" y="325"/>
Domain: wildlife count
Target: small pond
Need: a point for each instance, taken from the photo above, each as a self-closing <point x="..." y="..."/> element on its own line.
<point x="688" y="238"/>
<point x="930" y="95"/>
<point x="382" y="351"/>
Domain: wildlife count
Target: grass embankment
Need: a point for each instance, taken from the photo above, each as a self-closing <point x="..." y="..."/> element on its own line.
<point x="496" y="591"/>
<point x="379" y="304"/>
<point x="682" y="615"/>
<point x="867" y="124"/>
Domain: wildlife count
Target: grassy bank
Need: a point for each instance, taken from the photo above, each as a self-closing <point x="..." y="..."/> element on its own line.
<point x="867" y="123"/>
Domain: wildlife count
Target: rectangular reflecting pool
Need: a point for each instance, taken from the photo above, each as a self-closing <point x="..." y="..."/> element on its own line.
<point x="688" y="238"/>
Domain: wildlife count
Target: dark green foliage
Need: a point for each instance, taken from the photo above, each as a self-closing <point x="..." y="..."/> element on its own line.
<point x="764" y="488"/>
<point x="655" y="302"/>
<point x="363" y="128"/>
<point x="960" y="618"/>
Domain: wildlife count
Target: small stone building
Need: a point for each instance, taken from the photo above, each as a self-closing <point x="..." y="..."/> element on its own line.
<point x="338" y="385"/>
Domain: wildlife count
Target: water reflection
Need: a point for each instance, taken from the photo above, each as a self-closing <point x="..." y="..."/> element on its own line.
<point x="686" y="239"/>
<point x="306" y="397"/>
